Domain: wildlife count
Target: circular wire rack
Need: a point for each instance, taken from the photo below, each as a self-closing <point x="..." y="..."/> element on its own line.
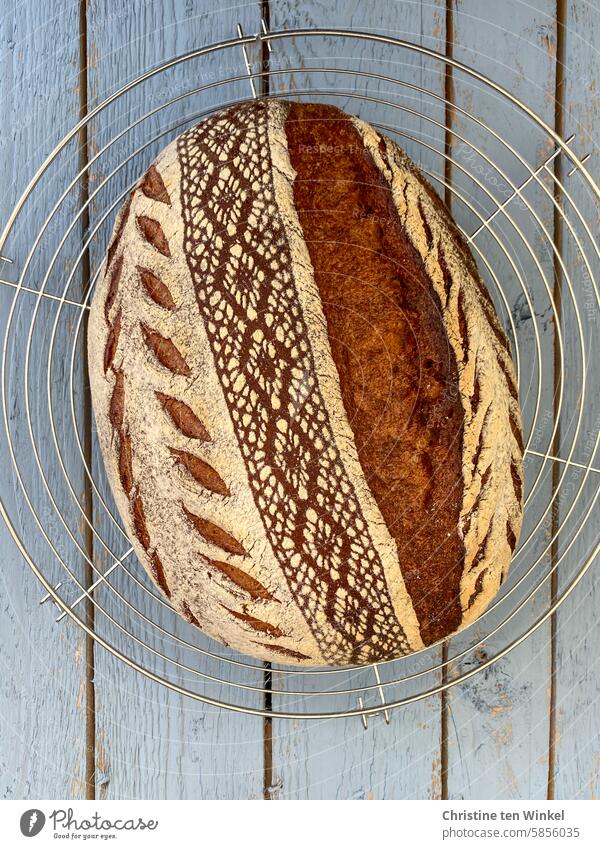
<point x="514" y="200"/>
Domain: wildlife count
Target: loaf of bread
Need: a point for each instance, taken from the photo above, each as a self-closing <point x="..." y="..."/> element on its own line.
<point x="305" y="401"/>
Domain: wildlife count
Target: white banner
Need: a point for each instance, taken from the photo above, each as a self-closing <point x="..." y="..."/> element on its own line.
<point x="305" y="825"/>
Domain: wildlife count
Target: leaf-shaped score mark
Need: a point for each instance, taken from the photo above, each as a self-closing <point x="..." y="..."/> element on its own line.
<point x="241" y="579"/>
<point x="117" y="402"/>
<point x="154" y="234"/>
<point x="165" y="351"/>
<point x="155" y="288"/>
<point x="139" y="522"/>
<point x="282" y="650"/>
<point x="189" y="615"/>
<point x="159" y="574"/>
<point x="201" y="471"/>
<point x="256" y="624"/>
<point x="214" y="534"/>
<point x="153" y="186"/>
<point x="120" y="227"/>
<point x="112" y="342"/>
<point x="183" y="417"/>
<point x="125" y="461"/>
<point x="113" y="286"/>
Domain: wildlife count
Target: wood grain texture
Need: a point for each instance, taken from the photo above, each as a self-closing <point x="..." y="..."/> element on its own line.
<point x="42" y="702"/>
<point x="152" y="743"/>
<point x="576" y="773"/>
<point x="337" y="759"/>
<point x="498" y="725"/>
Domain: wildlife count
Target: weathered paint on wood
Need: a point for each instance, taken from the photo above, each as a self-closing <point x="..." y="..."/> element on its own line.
<point x="334" y="758"/>
<point x="42" y="701"/>
<point x="577" y="671"/>
<point x="498" y="728"/>
<point x="151" y="742"/>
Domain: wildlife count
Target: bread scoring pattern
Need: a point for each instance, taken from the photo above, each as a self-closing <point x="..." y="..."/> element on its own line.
<point x="220" y="415"/>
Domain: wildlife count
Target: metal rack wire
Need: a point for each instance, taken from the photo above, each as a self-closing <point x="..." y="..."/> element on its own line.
<point x="43" y="380"/>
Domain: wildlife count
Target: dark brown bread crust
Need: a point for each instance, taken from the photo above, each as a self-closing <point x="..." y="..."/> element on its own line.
<point x="397" y="371"/>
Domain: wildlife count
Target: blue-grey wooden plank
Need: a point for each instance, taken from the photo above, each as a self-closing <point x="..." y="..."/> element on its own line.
<point x="151" y="742"/>
<point x="336" y="758"/>
<point x="42" y="697"/>
<point x="498" y="727"/>
<point x="577" y="674"/>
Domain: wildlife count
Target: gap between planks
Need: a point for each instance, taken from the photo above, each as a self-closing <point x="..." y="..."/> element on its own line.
<point x="90" y="693"/>
<point x="557" y="235"/>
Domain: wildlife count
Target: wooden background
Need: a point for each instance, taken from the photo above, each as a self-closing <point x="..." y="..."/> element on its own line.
<point x="75" y="723"/>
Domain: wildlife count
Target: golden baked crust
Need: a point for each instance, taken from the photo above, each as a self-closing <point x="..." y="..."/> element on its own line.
<point x="222" y="418"/>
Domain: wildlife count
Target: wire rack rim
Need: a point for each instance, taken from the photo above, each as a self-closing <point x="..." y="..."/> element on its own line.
<point x="233" y="43"/>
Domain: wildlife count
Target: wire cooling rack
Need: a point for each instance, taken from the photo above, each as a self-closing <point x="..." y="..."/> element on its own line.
<point x="542" y="277"/>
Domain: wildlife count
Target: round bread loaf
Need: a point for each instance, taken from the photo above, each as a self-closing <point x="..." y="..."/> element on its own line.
<point x="305" y="401"/>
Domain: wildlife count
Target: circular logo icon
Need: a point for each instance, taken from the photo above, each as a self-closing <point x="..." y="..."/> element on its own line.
<point x="32" y="822"/>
